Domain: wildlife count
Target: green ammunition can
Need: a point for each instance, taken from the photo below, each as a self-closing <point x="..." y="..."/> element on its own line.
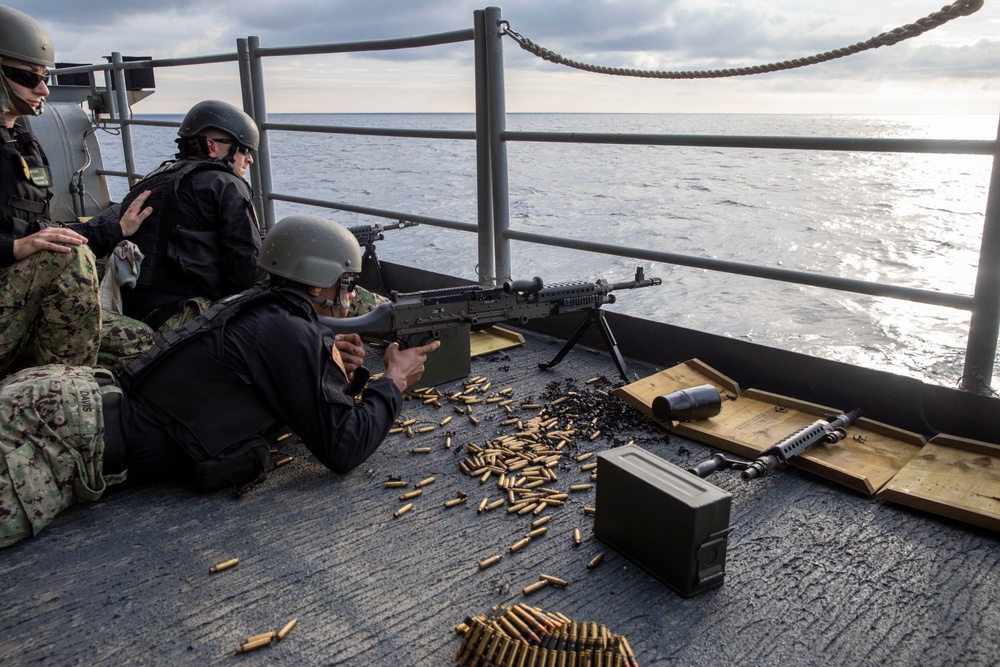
<point x="668" y="521"/>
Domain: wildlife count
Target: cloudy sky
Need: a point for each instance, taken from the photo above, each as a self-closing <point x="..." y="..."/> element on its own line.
<point x="952" y="69"/>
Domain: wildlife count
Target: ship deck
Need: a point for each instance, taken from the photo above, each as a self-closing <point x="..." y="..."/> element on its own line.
<point x="816" y="574"/>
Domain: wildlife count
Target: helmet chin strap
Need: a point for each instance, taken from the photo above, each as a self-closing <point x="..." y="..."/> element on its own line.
<point x="10" y="98"/>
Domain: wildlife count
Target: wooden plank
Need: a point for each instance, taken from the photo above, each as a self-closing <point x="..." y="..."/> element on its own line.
<point x="752" y="421"/>
<point x="952" y="477"/>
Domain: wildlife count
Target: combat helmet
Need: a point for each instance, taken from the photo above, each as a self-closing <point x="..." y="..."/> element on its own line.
<point x="310" y="250"/>
<point x="22" y="37"/>
<point x="222" y="116"/>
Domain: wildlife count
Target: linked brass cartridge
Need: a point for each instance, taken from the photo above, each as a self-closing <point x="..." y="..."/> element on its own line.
<point x="225" y="565"/>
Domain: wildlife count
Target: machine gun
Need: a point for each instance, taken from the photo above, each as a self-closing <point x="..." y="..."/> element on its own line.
<point x="367" y="235"/>
<point x="415" y="318"/>
<point x="831" y="430"/>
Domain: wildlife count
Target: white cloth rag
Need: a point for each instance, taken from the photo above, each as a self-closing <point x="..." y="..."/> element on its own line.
<point x="122" y="269"/>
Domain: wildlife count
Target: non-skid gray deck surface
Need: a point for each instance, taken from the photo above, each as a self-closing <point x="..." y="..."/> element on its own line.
<point x="816" y="574"/>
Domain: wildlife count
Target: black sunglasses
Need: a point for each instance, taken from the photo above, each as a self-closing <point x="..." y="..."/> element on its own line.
<point x="23" y="77"/>
<point x="240" y="148"/>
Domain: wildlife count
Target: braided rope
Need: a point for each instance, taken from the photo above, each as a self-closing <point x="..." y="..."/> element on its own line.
<point x="947" y="13"/>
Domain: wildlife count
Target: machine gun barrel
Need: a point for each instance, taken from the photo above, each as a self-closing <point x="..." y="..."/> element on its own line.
<point x="797" y="442"/>
<point x="367" y="235"/>
<point x="414" y="318"/>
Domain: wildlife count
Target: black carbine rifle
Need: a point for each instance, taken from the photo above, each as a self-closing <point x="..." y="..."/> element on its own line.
<point x="831" y="430"/>
<point x="415" y="318"/>
<point x="367" y="235"/>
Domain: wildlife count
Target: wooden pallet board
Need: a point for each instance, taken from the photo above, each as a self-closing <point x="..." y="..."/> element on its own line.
<point x="952" y="477"/>
<point x="753" y="420"/>
<point x="493" y="339"/>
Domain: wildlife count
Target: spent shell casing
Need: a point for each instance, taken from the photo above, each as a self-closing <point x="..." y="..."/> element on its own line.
<point x="588" y="466"/>
<point x="396" y="484"/>
<point x="225" y="565"/>
<point x="283" y="632"/>
<point x="445" y="421"/>
<point x="482" y="505"/>
<point x="576" y="537"/>
<point x="590" y="511"/>
<point x="425" y="429"/>
<point x="246" y="647"/>
<point x="454" y="502"/>
<point x="595" y="561"/>
<point x="396" y="429"/>
<point x="283" y="461"/>
<point x="409" y="422"/>
<point x="486" y="562"/>
<point x="420" y="450"/>
<point x="403" y="510"/>
<point x="520" y="544"/>
<point x="495" y="504"/>
<point x="584" y="457"/>
<point x="537" y="586"/>
<point x="540" y="521"/>
<point x="425" y="482"/>
<point x="269" y="635"/>
<point x="555" y="581"/>
<point x="410" y="495"/>
<point x="538" y="532"/>
<point x="580" y="487"/>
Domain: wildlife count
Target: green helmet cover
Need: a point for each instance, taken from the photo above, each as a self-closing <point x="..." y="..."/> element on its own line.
<point x="22" y="37"/>
<point x="310" y="250"/>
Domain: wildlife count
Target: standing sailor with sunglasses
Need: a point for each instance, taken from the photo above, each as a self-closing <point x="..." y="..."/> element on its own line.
<point x="202" y="240"/>
<point x="50" y="310"/>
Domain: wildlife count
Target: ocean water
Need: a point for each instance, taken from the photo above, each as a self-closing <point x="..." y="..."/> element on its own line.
<point x="913" y="220"/>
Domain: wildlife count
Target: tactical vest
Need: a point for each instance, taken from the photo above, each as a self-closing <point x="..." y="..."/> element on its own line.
<point x="25" y="181"/>
<point x="159" y="270"/>
<point x="184" y="385"/>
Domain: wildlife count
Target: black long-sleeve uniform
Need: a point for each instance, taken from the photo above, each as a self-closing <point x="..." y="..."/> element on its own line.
<point x="270" y="364"/>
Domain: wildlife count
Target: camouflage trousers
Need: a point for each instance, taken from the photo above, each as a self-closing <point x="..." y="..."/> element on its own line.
<point x="50" y="313"/>
<point x="51" y="446"/>
<point x="50" y="310"/>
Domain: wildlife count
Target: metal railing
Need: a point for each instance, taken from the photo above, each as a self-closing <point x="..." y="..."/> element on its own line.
<point x="491" y="136"/>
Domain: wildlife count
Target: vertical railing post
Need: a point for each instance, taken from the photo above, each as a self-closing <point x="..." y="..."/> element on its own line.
<point x="984" y="324"/>
<point x="259" y="114"/>
<point x="246" y="89"/>
<point x="124" y="116"/>
<point x="484" y="181"/>
<point x="498" y="149"/>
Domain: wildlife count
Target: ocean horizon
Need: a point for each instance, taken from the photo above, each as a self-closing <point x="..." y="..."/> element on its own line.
<point x="904" y="219"/>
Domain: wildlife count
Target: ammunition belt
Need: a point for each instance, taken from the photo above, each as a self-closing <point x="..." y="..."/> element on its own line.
<point x="525" y="635"/>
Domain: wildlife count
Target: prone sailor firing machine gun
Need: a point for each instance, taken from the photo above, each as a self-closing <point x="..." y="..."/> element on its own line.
<point x="414" y="317"/>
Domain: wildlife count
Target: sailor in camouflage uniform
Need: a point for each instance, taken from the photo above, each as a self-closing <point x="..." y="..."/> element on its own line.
<point x="49" y="300"/>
